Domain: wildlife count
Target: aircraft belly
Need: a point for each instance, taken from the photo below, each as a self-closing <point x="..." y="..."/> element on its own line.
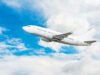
<point x="71" y="42"/>
<point x="65" y="42"/>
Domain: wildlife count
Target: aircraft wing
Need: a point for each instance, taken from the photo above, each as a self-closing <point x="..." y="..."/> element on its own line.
<point x="61" y="36"/>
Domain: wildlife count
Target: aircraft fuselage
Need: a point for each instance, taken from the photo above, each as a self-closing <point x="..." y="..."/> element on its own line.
<point x="48" y="34"/>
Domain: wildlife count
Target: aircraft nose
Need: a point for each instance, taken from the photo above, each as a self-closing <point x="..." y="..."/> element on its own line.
<point x="24" y="27"/>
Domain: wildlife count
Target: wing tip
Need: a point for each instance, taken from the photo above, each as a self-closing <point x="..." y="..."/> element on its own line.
<point x="70" y="33"/>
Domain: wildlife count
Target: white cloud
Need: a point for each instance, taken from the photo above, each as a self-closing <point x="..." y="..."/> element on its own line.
<point x="86" y="66"/>
<point x="12" y="3"/>
<point x="53" y="45"/>
<point x="92" y="2"/>
<point x="7" y="45"/>
<point x="24" y="65"/>
<point x="12" y="45"/>
<point x="2" y="29"/>
<point x="17" y="4"/>
<point x="41" y="65"/>
<point x="17" y="44"/>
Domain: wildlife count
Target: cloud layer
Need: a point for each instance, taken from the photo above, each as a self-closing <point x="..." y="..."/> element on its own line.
<point x="41" y="65"/>
<point x="34" y="65"/>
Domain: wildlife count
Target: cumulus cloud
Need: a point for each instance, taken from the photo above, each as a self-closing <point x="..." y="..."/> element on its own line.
<point x="53" y="45"/>
<point x="41" y="65"/>
<point x="34" y="65"/>
<point x="12" y="3"/>
<point x="86" y="66"/>
<point x="12" y="45"/>
<point x="2" y="29"/>
<point x="17" y="4"/>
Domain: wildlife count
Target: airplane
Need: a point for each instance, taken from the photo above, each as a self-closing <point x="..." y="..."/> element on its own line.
<point x="54" y="36"/>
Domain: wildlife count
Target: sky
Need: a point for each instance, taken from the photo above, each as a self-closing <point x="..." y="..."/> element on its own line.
<point x="22" y="53"/>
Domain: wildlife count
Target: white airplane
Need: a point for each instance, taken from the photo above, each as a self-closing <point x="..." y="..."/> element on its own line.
<point x="50" y="36"/>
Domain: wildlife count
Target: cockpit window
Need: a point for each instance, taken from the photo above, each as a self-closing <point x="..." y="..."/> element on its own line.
<point x="29" y="26"/>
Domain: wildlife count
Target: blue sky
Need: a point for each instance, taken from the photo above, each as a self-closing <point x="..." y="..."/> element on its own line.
<point x="13" y="21"/>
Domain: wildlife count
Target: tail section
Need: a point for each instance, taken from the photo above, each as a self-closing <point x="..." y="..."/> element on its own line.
<point x="90" y="42"/>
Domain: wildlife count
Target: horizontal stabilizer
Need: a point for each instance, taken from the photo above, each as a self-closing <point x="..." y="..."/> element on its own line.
<point x="90" y="42"/>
